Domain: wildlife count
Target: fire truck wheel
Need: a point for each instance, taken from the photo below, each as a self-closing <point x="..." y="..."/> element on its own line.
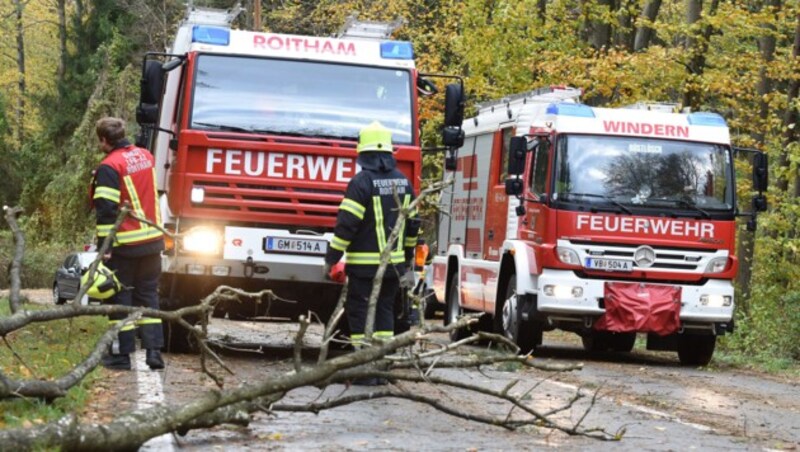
<point x="696" y="349"/>
<point x="596" y="341"/>
<point x="509" y="323"/>
<point x="453" y="311"/>
<point x="622" y="342"/>
<point x="176" y="338"/>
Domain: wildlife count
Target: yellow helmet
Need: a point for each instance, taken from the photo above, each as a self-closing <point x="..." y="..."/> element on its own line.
<point x="374" y="137"/>
<point x="105" y="284"/>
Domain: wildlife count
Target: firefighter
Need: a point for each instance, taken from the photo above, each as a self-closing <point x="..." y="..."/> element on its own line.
<point x="127" y="174"/>
<point x="365" y="220"/>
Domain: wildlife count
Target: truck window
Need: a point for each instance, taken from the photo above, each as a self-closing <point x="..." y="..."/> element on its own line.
<point x="503" y="173"/>
<point x="538" y="176"/>
<point x="300" y="98"/>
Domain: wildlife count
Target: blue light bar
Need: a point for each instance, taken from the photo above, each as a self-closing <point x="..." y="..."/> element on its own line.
<point x="397" y="50"/>
<point x="211" y="35"/>
<point x="566" y="109"/>
<point x="706" y="119"/>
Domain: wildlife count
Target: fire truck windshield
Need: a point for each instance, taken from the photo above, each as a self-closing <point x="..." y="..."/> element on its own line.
<point x="643" y="172"/>
<point x="299" y="98"/>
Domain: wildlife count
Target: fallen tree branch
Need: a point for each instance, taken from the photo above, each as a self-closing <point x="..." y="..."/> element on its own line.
<point x="49" y="390"/>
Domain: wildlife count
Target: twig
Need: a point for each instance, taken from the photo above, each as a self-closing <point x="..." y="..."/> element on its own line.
<point x="298" y="343"/>
<point x="338" y="311"/>
<point x="19" y="358"/>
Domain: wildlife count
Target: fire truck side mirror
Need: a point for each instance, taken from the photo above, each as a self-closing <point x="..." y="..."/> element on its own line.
<point x="453" y="137"/>
<point x="453" y="105"/>
<point x="759" y="203"/>
<point x="760" y="172"/>
<point x="514" y="186"/>
<point x="516" y="156"/>
<point x="150" y="92"/>
<point x="450" y="163"/>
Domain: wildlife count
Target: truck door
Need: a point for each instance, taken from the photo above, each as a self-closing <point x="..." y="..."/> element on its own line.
<point x="497" y="203"/>
<point x="536" y="212"/>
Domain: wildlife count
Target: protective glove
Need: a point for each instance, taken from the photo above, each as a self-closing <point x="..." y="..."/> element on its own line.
<point x="407" y="280"/>
<point x="326" y="271"/>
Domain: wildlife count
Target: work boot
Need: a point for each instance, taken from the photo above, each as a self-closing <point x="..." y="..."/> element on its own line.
<point x="117" y="362"/>
<point x="154" y="359"/>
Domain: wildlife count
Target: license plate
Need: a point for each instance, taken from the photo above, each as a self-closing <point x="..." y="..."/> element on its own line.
<point x="612" y="265"/>
<point x="295" y="246"/>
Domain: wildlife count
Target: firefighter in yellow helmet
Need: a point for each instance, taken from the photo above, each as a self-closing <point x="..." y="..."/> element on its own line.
<point x="365" y="220"/>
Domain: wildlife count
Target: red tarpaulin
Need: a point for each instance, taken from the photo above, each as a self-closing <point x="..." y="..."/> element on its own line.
<point x="639" y="307"/>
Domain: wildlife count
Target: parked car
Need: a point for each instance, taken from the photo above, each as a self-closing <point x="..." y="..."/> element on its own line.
<point x="67" y="281"/>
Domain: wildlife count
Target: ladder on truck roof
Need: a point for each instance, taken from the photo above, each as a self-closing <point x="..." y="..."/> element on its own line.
<point x="365" y="29"/>
<point x="197" y="15"/>
<point x="661" y="107"/>
<point x="541" y="95"/>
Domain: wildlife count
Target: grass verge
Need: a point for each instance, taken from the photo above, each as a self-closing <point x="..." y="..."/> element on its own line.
<point x="47" y="351"/>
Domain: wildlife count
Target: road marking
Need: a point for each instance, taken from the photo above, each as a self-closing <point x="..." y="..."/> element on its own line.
<point x="150" y="393"/>
<point x="640" y="408"/>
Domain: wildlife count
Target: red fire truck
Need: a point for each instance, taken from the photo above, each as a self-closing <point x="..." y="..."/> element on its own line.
<point x="254" y="136"/>
<point x="599" y="221"/>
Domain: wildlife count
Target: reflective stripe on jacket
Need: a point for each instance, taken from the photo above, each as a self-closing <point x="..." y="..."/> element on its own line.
<point x="127" y="174"/>
<point x="366" y="217"/>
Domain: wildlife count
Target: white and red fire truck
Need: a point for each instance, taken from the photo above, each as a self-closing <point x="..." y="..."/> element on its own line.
<point x="604" y="222"/>
<point x="254" y="136"/>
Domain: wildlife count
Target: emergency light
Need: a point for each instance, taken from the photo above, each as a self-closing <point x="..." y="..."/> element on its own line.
<point x="397" y="50"/>
<point x="706" y="119"/>
<point x="211" y="35"/>
<point x="565" y="109"/>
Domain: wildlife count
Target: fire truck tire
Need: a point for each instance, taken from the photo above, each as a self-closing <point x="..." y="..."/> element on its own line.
<point x="178" y="340"/>
<point x="432" y="305"/>
<point x="696" y="349"/>
<point x="453" y="311"/>
<point x="526" y="334"/>
<point x="596" y="341"/>
<point x="622" y="342"/>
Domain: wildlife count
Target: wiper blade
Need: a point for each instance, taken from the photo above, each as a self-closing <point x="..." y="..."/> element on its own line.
<point x="225" y="127"/>
<point x="691" y="205"/>
<point x="604" y="197"/>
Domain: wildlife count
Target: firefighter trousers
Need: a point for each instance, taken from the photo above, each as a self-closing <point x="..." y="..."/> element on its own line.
<point x="357" y="304"/>
<point x="140" y="277"/>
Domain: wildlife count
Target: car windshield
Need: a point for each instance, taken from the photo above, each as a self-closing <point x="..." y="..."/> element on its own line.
<point x="299" y="98"/>
<point x="643" y="172"/>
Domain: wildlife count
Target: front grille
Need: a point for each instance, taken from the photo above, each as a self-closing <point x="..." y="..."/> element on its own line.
<point x="271" y="203"/>
<point x="667" y="258"/>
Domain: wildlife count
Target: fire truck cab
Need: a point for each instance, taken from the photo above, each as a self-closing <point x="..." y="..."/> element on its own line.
<point x="254" y="136"/>
<point x="606" y="222"/>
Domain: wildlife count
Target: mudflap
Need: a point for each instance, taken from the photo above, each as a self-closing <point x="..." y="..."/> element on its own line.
<point x="640" y="307"/>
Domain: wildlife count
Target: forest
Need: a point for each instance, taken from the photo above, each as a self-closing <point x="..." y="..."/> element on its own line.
<point x="66" y="63"/>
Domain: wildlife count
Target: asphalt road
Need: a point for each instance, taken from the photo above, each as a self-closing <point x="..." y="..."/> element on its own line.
<point x="658" y="404"/>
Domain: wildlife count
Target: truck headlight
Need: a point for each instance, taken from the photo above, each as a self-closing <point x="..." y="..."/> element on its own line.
<point x="560" y="291"/>
<point x="715" y="300"/>
<point x="202" y="240"/>
<point x="567" y="256"/>
<point x="198" y="195"/>
<point x="717" y="265"/>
